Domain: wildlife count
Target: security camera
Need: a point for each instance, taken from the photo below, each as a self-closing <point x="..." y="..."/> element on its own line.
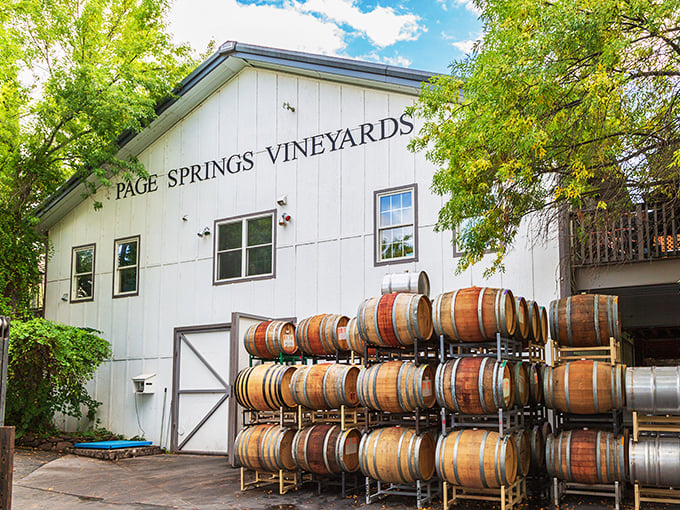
<point x="282" y="200"/>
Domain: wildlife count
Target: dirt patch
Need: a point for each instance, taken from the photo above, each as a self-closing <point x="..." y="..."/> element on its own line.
<point x="27" y="460"/>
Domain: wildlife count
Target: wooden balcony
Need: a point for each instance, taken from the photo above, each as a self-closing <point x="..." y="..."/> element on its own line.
<point x="649" y="232"/>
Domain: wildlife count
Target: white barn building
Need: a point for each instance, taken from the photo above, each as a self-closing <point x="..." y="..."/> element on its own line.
<point x="280" y="186"/>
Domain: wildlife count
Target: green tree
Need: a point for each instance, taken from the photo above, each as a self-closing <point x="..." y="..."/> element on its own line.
<point x="76" y="74"/>
<point x="49" y="366"/>
<point x="563" y="103"/>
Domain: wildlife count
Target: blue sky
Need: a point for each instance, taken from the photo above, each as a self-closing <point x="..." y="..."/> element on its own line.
<point x="421" y="34"/>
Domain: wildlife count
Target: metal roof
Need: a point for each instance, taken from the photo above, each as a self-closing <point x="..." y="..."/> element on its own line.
<point x="212" y="74"/>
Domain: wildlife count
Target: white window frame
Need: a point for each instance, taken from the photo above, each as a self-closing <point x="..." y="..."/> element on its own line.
<point x="378" y="261"/>
<point x="117" y="268"/>
<point x="244" y="247"/>
<point x="76" y="249"/>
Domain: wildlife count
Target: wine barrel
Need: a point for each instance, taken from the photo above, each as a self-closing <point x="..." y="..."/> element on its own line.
<point x="265" y="448"/>
<point x="537" y="444"/>
<point x="523" y="444"/>
<point x="545" y="330"/>
<point x="655" y="461"/>
<point x="586" y="320"/>
<point x="535" y="332"/>
<point x="264" y="387"/>
<point x="269" y="339"/>
<point x="522" y="320"/>
<point x="397" y="455"/>
<point x="395" y="320"/>
<point x="475" y="385"/>
<point x="325" y="386"/>
<point x="476" y="458"/>
<point x="535" y="373"/>
<point x="356" y="343"/>
<point x="326" y="449"/>
<point x="412" y="283"/>
<point x="653" y="390"/>
<point x="322" y="334"/>
<point x="474" y="314"/>
<point x="584" y="387"/>
<point x="522" y="386"/>
<point x="546" y="431"/>
<point x="587" y="456"/>
<point x="396" y="387"/>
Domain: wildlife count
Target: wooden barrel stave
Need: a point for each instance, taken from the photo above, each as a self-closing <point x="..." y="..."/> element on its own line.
<point x="523" y="445"/>
<point x="522" y="385"/>
<point x="522" y="320"/>
<point x="322" y="334"/>
<point x="354" y="340"/>
<point x="476" y="458"/>
<point x="585" y="320"/>
<point x="545" y="328"/>
<point x="395" y="320"/>
<point x="269" y="339"/>
<point x="535" y="331"/>
<point x="264" y="387"/>
<point x="396" y="387"/>
<point x="326" y="449"/>
<point x="325" y="386"/>
<point x="397" y="455"/>
<point x="265" y="448"/>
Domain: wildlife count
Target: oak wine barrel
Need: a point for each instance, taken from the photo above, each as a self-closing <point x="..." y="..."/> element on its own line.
<point x="535" y="373"/>
<point x="397" y="455"/>
<point x="522" y="319"/>
<point x="264" y="387"/>
<point x="476" y="458"/>
<point x="653" y="390"/>
<point x="395" y="320"/>
<point x="265" y="448"/>
<point x="535" y="331"/>
<point x="545" y="329"/>
<point x="396" y="386"/>
<point x="322" y="334"/>
<point x="475" y="385"/>
<point x="523" y="444"/>
<point x="655" y="461"/>
<point x="522" y="385"/>
<point x="269" y="339"/>
<point x="356" y="343"/>
<point x="326" y="449"/>
<point x="412" y="283"/>
<point x="325" y="386"/>
<point x="474" y="314"/>
<point x="537" y="443"/>
<point x="587" y="456"/>
<point x="585" y="320"/>
<point x="584" y="387"/>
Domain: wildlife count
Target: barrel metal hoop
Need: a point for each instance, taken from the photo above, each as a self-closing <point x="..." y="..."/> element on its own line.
<point x="278" y="332"/>
<point x="394" y="322"/>
<point x="560" y="473"/>
<point x="361" y="323"/>
<point x="399" y="445"/>
<point x="402" y="398"/>
<point x="480" y="385"/>
<point x="437" y="315"/>
<point x="569" y="456"/>
<point x="622" y="459"/>
<point x="595" y="400"/>
<point x="363" y="461"/>
<point x="304" y="386"/>
<point x="566" y="386"/>
<point x="454" y="398"/>
<point x="598" y="457"/>
<point x="309" y="433"/>
<point x="374" y="386"/>
<point x="340" y="443"/>
<point x="496" y="466"/>
<point x="496" y="310"/>
<point x="554" y="324"/>
<point x="569" y="339"/>
<point x="607" y="461"/>
<point x="547" y="375"/>
<point x="480" y="318"/>
<point x="375" y="451"/>
<point x="619" y="387"/>
<point x="455" y="457"/>
<point x="419" y="377"/>
<point x="498" y="381"/>
<point x="413" y="448"/>
<point x="481" y="460"/>
<point x="453" y="315"/>
<point x="266" y="341"/>
<point x="324" y="453"/>
<point x="596" y="319"/>
<point x="548" y="455"/>
<point x="375" y="324"/>
<point x="438" y="384"/>
<point x="412" y="323"/>
<point x="503" y="471"/>
<point x="438" y="460"/>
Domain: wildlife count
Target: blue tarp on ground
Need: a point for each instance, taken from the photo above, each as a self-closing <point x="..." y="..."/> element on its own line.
<point x="112" y="445"/>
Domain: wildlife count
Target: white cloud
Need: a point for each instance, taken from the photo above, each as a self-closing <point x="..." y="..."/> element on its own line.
<point x="382" y="25"/>
<point x="199" y="21"/>
<point x="464" y="46"/>
<point x="397" y="60"/>
<point x="443" y="4"/>
<point x="469" y="5"/>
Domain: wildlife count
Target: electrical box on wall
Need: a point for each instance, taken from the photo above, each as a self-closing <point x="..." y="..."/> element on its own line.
<point x="144" y="383"/>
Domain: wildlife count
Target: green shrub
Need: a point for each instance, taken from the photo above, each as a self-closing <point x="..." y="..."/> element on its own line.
<point x="49" y="365"/>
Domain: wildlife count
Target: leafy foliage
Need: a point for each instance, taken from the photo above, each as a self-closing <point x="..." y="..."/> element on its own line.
<point x="49" y="365"/>
<point x="571" y="102"/>
<point x="75" y="74"/>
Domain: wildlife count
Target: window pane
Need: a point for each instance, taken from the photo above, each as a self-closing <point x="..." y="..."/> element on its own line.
<point x="396" y="217"/>
<point x="407" y="240"/>
<point x="406" y="199"/>
<point x="84" y="261"/>
<point x="127" y="280"/>
<point x="385" y="219"/>
<point x="83" y="287"/>
<point x="385" y="243"/>
<point x="229" y="236"/>
<point x="396" y="201"/>
<point x="229" y="265"/>
<point x="259" y="260"/>
<point x="127" y="254"/>
<point x="384" y="204"/>
<point x="260" y="231"/>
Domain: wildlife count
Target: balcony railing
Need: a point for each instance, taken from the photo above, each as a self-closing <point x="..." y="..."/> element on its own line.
<point x="650" y="232"/>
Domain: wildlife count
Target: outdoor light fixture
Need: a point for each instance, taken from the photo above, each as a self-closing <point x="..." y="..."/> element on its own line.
<point x="204" y="232"/>
<point x="64" y="297"/>
<point x="285" y="218"/>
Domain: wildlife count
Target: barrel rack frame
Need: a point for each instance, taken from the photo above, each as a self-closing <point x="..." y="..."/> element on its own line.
<point x="610" y="353"/>
<point x="655" y="495"/>
<point x="508" y="497"/>
<point x="612" y="490"/>
<point x="424" y="491"/>
<point x="286" y="480"/>
<point x="646" y="423"/>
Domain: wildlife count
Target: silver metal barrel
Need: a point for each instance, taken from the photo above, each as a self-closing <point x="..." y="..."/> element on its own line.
<point x="654" y="390"/>
<point x="414" y="283"/>
<point x="655" y="461"/>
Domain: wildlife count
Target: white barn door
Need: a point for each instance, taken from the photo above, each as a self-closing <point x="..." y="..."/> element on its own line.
<point x="202" y="390"/>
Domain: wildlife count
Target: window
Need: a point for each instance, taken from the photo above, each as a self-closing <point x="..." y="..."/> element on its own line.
<point x="82" y="273"/>
<point x="126" y="267"/>
<point x="244" y="247"/>
<point x="396" y="225"/>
